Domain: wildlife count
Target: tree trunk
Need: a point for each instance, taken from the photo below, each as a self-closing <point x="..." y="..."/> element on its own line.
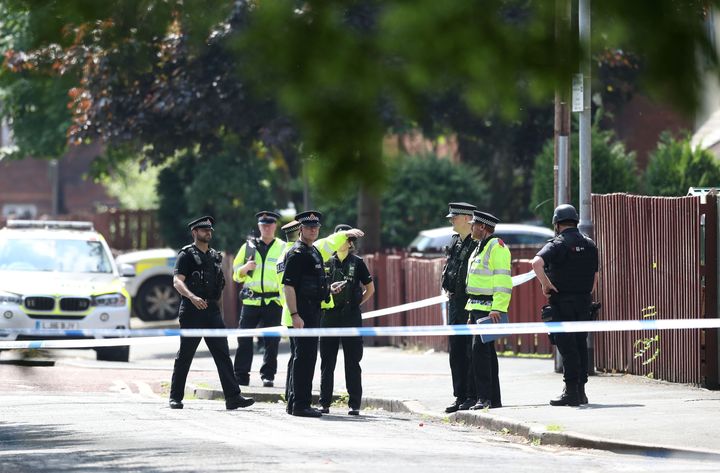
<point x="369" y="220"/>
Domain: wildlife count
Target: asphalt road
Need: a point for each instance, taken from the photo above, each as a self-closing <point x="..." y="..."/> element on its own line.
<point x="92" y="416"/>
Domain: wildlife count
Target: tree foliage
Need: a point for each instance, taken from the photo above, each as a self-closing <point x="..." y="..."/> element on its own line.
<point x="676" y="166"/>
<point x="167" y="75"/>
<point x="416" y="197"/>
<point x="232" y="187"/>
<point x="613" y="170"/>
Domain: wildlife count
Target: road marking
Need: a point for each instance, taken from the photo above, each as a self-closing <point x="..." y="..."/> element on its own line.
<point x="145" y="390"/>
<point x="120" y="386"/>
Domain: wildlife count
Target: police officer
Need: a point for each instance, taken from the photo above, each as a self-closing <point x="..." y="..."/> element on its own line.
<point x="305" y="287"/>
<point x="199" y="280"/>
<point x="567" y="270"/>
<point x="351" y="285"/>
<point x="489" y="288"/>
<point x="326" y="246"/>
<point x="255" y="267"/>
<point x="453" y="282"/>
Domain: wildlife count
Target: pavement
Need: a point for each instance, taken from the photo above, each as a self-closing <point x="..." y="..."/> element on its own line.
<point x="626" y="413"/>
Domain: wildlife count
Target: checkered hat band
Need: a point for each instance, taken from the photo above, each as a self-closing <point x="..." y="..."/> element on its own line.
<point x="485" y="221"/>
<point x="308" y="219"/>
<point x="292" y="228"/>
<point x="455" y="210"/>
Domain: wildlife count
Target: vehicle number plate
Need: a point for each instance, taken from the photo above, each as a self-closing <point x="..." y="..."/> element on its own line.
<point x="59" y="324"/>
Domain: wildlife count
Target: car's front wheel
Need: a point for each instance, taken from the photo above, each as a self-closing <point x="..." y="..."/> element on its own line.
<point x="157" y="299"/>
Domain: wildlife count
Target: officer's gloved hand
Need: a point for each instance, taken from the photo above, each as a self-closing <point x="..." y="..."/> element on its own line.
<point x="354" y="233"/>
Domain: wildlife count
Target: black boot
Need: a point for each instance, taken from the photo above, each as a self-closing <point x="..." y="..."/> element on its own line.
<point x="581" y="393"/>
<point x="569" y="396"/>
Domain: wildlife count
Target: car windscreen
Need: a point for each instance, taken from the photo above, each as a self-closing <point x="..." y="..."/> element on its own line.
<point x="59" y="255"/>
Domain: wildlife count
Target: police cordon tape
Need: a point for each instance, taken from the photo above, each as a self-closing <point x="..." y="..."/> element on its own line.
<point x="85" y="338"/>
<point x="99" y="342"/>
<point x="155" y="335"/>
<point x="516" y="281"/>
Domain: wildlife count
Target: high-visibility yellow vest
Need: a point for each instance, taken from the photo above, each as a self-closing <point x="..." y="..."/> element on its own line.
<point x="263" y="279"/>
<point x="327" y="246"/>
<point x="489" y="280"/>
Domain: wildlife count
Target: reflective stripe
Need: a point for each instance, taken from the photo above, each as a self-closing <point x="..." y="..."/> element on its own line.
<point x="479" y="291"/>
<point x="506" y="290"/>
<point x="502" y="271"/>
<point x="488" y="250"/>
<point x="482" y="272"/>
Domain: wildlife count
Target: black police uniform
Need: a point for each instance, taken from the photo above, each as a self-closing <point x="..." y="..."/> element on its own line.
<point x="267" y="314"/>
<point x="345" y="313"/>
<point x="204" y="278"/>
<point x="460" y="346"/>
<point x="571" y="261"/>
<point x="305" y="273"/>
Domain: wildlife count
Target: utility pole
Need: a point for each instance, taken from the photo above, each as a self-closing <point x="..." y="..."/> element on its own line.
<point x="586" y="224"/>
<point x="561" y="169"/>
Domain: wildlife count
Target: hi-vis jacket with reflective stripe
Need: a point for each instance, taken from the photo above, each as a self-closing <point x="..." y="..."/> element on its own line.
<point x="326" y="246"/>
<point x="264" y="277"/>
<point x="489" y="281"/>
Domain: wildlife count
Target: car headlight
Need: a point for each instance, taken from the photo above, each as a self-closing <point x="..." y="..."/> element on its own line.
<point x="10" y="298"/>
<point x="110" y="300"/>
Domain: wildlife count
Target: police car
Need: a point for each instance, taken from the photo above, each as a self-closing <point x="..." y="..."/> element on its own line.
<point x="153" y="295"/>
<point x="61" y="275"/>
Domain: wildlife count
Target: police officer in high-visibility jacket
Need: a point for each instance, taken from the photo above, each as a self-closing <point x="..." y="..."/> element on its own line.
<point x="489" y="288"/>
<point x="567" y="268"/>
<point x="255" y="267"/>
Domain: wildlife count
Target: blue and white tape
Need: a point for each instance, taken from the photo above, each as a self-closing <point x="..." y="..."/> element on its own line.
<point x="151" y="335"/>
<point x="123" y="337"/>
<point x="516" y="281"/>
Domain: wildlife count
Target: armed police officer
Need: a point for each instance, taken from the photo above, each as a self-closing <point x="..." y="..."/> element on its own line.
<point x="351" y="286"/>
<point x="489" y="288"/>
<point x="453" y="282"/>
<point x="305" y="287"/>
<point x="199" y="280"/>
<point x="567" y="270"/>
<point x="256" y="267"/>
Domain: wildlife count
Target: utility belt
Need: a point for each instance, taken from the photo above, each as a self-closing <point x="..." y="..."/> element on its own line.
<point x="484" y="300"/>
<point x="247" y="293"/>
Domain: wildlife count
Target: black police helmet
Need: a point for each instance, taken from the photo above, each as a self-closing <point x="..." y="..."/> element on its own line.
<point x="565" y="212"/>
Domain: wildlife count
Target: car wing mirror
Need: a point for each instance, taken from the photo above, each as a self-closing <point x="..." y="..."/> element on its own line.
<point x="127" y="270"/>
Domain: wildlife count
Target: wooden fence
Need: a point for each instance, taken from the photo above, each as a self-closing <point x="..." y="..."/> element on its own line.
<point x="658" y="260"/>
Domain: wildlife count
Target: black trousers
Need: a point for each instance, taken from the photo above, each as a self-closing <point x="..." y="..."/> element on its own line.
<point x="460" y="351"/>
<point x="305" y="351"/>
<point x="252" y="316"/>
<point x="208" y="318"/>
<point x="352" y="353"/>
<point x="289" y="396"/>
<point x="485" y="366"/>
<point x="573" y="346"/>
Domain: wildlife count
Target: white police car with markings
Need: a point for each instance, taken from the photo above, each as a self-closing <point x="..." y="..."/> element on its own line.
<point x="61" y="275"/>
<point x="153" y="295"/>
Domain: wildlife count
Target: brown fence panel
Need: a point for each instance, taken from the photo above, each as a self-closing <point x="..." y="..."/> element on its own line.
<point x="422" y="281"/>
<point x="129" y="229"/>
<point x="525" y="304"/>
<point x="649" y="269"/>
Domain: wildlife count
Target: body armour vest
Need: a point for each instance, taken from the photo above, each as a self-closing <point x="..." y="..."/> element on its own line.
<point x="352" y="291"/>
<point x="313" y="284"/>
<point x="573" y="271"/>
<point x="207" y="279"/>
<point x="455" y="270"/>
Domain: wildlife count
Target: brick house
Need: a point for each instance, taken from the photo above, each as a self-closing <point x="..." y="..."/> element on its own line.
<point x="26" y="186"/>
